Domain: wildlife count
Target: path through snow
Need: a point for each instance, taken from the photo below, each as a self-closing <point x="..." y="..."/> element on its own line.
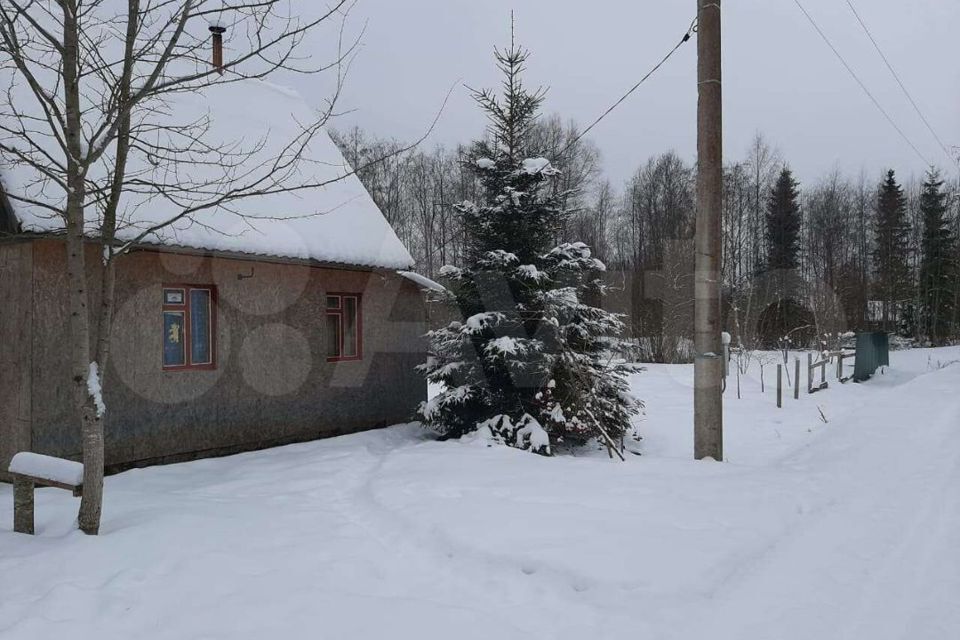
<point x="844" y="530"/>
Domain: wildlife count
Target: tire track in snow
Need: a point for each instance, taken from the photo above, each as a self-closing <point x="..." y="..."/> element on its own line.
<point x="890" y="486"/>
<point x="926" y="544"/>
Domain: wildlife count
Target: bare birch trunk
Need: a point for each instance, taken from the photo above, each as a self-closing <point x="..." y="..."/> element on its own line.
<point x="91" y="424"/>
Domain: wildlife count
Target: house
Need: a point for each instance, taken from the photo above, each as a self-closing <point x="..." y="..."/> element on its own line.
<point x="282" y="318"/>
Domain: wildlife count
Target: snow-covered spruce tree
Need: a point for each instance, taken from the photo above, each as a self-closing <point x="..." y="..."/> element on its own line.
<point x="527" y="362"/>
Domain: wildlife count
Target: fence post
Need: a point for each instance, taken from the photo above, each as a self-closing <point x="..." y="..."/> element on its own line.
<point x="809" y="372"/>
<point x="796" y="377"/>
<point x="779" y="386"/>
<point x="22" y="505"/>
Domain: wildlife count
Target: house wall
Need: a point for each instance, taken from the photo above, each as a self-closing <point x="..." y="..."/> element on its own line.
<point x="15" y="353"/>
<point x="272" y="383"/>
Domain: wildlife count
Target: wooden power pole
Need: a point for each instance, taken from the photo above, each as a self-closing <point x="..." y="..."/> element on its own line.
<point x="708" y="366"/>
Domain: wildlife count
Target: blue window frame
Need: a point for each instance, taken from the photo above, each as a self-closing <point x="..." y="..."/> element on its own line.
<point x="200" y="329"/>
<point x="189" y="327"/>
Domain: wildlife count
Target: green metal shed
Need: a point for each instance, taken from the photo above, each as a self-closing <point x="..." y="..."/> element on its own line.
<point x="873" y="352"/>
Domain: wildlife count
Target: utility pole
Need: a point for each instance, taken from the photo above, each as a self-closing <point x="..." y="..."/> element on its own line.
<point x="708" y="366"/>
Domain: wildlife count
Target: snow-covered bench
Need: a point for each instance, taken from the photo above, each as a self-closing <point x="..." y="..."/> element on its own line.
<point x="32" y="469"/>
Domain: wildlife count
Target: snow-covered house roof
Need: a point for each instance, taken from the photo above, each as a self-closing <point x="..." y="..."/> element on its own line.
<point x="333" y="221"/>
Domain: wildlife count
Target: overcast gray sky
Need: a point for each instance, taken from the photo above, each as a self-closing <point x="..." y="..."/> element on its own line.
<point x="779" y="76"/>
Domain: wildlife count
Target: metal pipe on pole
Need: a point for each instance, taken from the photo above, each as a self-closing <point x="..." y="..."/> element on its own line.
<point x="708" y="365"/>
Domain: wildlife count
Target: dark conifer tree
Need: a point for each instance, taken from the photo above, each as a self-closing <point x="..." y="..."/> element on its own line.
<point x="938" y="271"/>
<point x="890" y="255"/>
<point x="783" y="261"/>
<point x="783" y="224"/>
<point x="526" y="363"/>
<point x="956" y="263"/>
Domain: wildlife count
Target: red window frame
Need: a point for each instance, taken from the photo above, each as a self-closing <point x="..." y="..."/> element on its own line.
<point x="338" y="312"/>
<point x="184" y="308"/>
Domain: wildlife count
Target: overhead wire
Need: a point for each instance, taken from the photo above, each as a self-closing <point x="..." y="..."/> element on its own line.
<point x="686" y="36"/>
<point x="860" y="82"/>
<point x="693" y="28"/>
<point x="903" y="87"/>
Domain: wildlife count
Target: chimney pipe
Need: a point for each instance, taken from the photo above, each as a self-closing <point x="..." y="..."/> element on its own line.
<point x="217" y="32"/>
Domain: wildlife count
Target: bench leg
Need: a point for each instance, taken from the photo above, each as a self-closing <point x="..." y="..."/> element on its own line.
<point x="23" y="506"/>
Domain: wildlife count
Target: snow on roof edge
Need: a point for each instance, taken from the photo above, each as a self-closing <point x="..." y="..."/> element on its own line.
<point x="267" y="257"/>
<point x="423" y="281"/>
<point x="228" y="253"/>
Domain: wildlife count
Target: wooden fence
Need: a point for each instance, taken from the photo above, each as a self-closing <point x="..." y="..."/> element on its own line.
<point x="823" y="360"/>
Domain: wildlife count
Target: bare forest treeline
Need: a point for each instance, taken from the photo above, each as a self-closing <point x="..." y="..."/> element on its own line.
<point x="643" y="231"/>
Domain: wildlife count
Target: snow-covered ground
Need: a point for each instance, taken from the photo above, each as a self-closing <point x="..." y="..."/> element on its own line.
<point x="845" y="529"/>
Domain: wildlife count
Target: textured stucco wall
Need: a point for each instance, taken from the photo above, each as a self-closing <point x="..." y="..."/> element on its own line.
<point x="15" y="354"/>
<point x="272" y="383"/>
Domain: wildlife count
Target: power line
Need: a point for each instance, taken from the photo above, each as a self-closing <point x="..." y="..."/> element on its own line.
<point x="850" y="70"/>
<point x="686" y="36"/>
<point x="886" y="61"/>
